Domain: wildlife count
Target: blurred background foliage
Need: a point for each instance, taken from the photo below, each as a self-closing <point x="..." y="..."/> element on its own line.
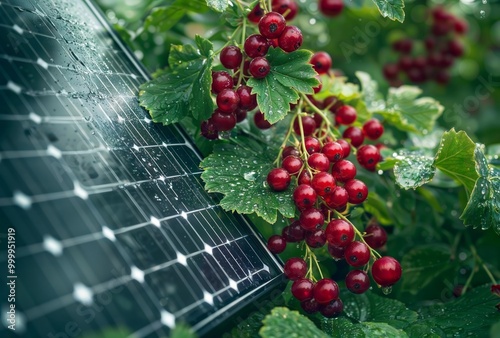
<point x="358" y="39"/>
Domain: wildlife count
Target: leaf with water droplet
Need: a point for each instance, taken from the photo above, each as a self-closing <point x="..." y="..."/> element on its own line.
<point x="392" y="9"/>
<point x="483" y="208"/>
<point x="407" y="112"/>
<point x="240" y="174"/>
<point x="290" y="74"/>
<point x="413" y="169"/>
<point x="183" y="89"/>
<point x="282" y="322"/>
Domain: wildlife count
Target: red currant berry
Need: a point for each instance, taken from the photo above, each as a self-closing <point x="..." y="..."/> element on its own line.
<point x="338" y="198"/>
<point x="386" y="271"/>
<point x="321" y="62"/>
<point x="375" y="236"/>
<point x="319" y="161"/>
<point x="255" y="14"/>
<point x="304" y="196"/>
<point x="271" y="25"/>
<point x="310" y="306"/>
<point x="332" y="309"/>
<point x="304" y="178"/>
<point x="221" y="80"/>
<point x="248" y="100"/>
<point x="260" y="121"/>
<point x="355" y="135"/>
<point x="455" y="48"/>
<point x="331" y="8"/>
<point x="333" y="150"/>
<point x="287" y="8"/>
<point x="278" y="179"/>
<point x="292" y="164"/>
<point x="368" y="156"/>
<point x="460" y="26"/>
<point x="403" y="46"/>
<point x="442" y="77"/>
<point x="390" y="71"/>
<point x="317" y="89"/>
<point x="256" y="45"/>
<point x="231" y="57"/>
<point x="356" y="190"/>
<point x="312" y="144"/>
<point x="308" y="125"/>
<point x="345" y="146"/>
<point x="446" y="61"/>
<point x="405" y="63"/>
<point x="316" y="238"/>
<point x="323" y="183"/>
<point x="241" y="114"/>
<point x="373" y="129"/>
<point x="209" y="130"/>
<point x="325" y="291"/>
<point x="290" y="150"/>
<point x="295" y="268"/>
<point x="344" y="170"/>
<point x="339" y="233"/>
<point x="276" y="244"/>
<point x="227" y="101"/>
<point x="430" y="43"/>
<point x="337" y="252"/>
<point x="345" y="115"/>
<point x="311" y="218"/>
<point x="357" y="254"/>
<point x="293" y="232"/>
<point x="357" y="281"/>
<point x="223" y="121"/>
<point x="302" y="289"/>
<point x="291" y="39"/>
<point x="259" y="67"/>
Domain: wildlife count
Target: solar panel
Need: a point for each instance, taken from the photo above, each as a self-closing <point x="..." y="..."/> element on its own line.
<point x="106" y="210"/>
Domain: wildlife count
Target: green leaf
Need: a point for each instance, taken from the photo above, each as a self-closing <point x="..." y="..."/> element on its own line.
<point x="455" y="158"/>
<point x="240" y="174"/>
<point x="377" y="206"/>
<point x="413" y="169"/>
<point x="407" y="112"/>
<point x="283" y="323"/>
<point x="425" y="264"/>
<point x="483" y="208"/>
<point x="183" y="89"/>
<point x="471" y="314"/>
<point x="218" y="5"/>
<point x="369" y="307"/>
<point x="342" y="327"/>
<point x="392" y="9"/>
<point x="290" y="74"/>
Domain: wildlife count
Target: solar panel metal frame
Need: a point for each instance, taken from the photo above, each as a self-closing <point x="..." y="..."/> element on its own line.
<point x="51" y="245"/>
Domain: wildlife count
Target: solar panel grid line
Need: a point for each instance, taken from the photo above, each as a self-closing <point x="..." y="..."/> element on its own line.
<point x="210" y="241"/>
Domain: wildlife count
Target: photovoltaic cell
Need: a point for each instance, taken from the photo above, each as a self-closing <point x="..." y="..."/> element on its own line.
<point x="113" y="228"/>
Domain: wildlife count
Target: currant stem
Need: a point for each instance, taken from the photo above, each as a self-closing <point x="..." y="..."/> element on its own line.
<point x="373" y="252"/>
<point x="312" y="258"/>
<point x="285" y="141"/>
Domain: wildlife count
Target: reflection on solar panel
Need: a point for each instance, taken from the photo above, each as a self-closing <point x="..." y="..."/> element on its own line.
<point x="112" y="226"/>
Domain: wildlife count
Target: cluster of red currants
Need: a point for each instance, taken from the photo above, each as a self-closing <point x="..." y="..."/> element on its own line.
<point x="234" y="98"/>
<point x="330" y="8"/>
<point x="441" y="49"/>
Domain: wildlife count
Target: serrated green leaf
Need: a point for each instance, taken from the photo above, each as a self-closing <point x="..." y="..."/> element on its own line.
<point x="470" y="315"/>
<point x="407" y="112"/>
<point x="392" y="9"/>
<point x="369" y="307"/>
<point x="218" y="5"/>
<point x="290" y="74"/>
<point x="455" y="158"/>
<point x="183" y="89"/>
<point x="424" y="264"/>
<point x="164" y="18"/>
<point x="283" y="323"/>
<point x="413" y="169"/>
<point x="240" y="174"/>
<point x="483" y="208"/>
